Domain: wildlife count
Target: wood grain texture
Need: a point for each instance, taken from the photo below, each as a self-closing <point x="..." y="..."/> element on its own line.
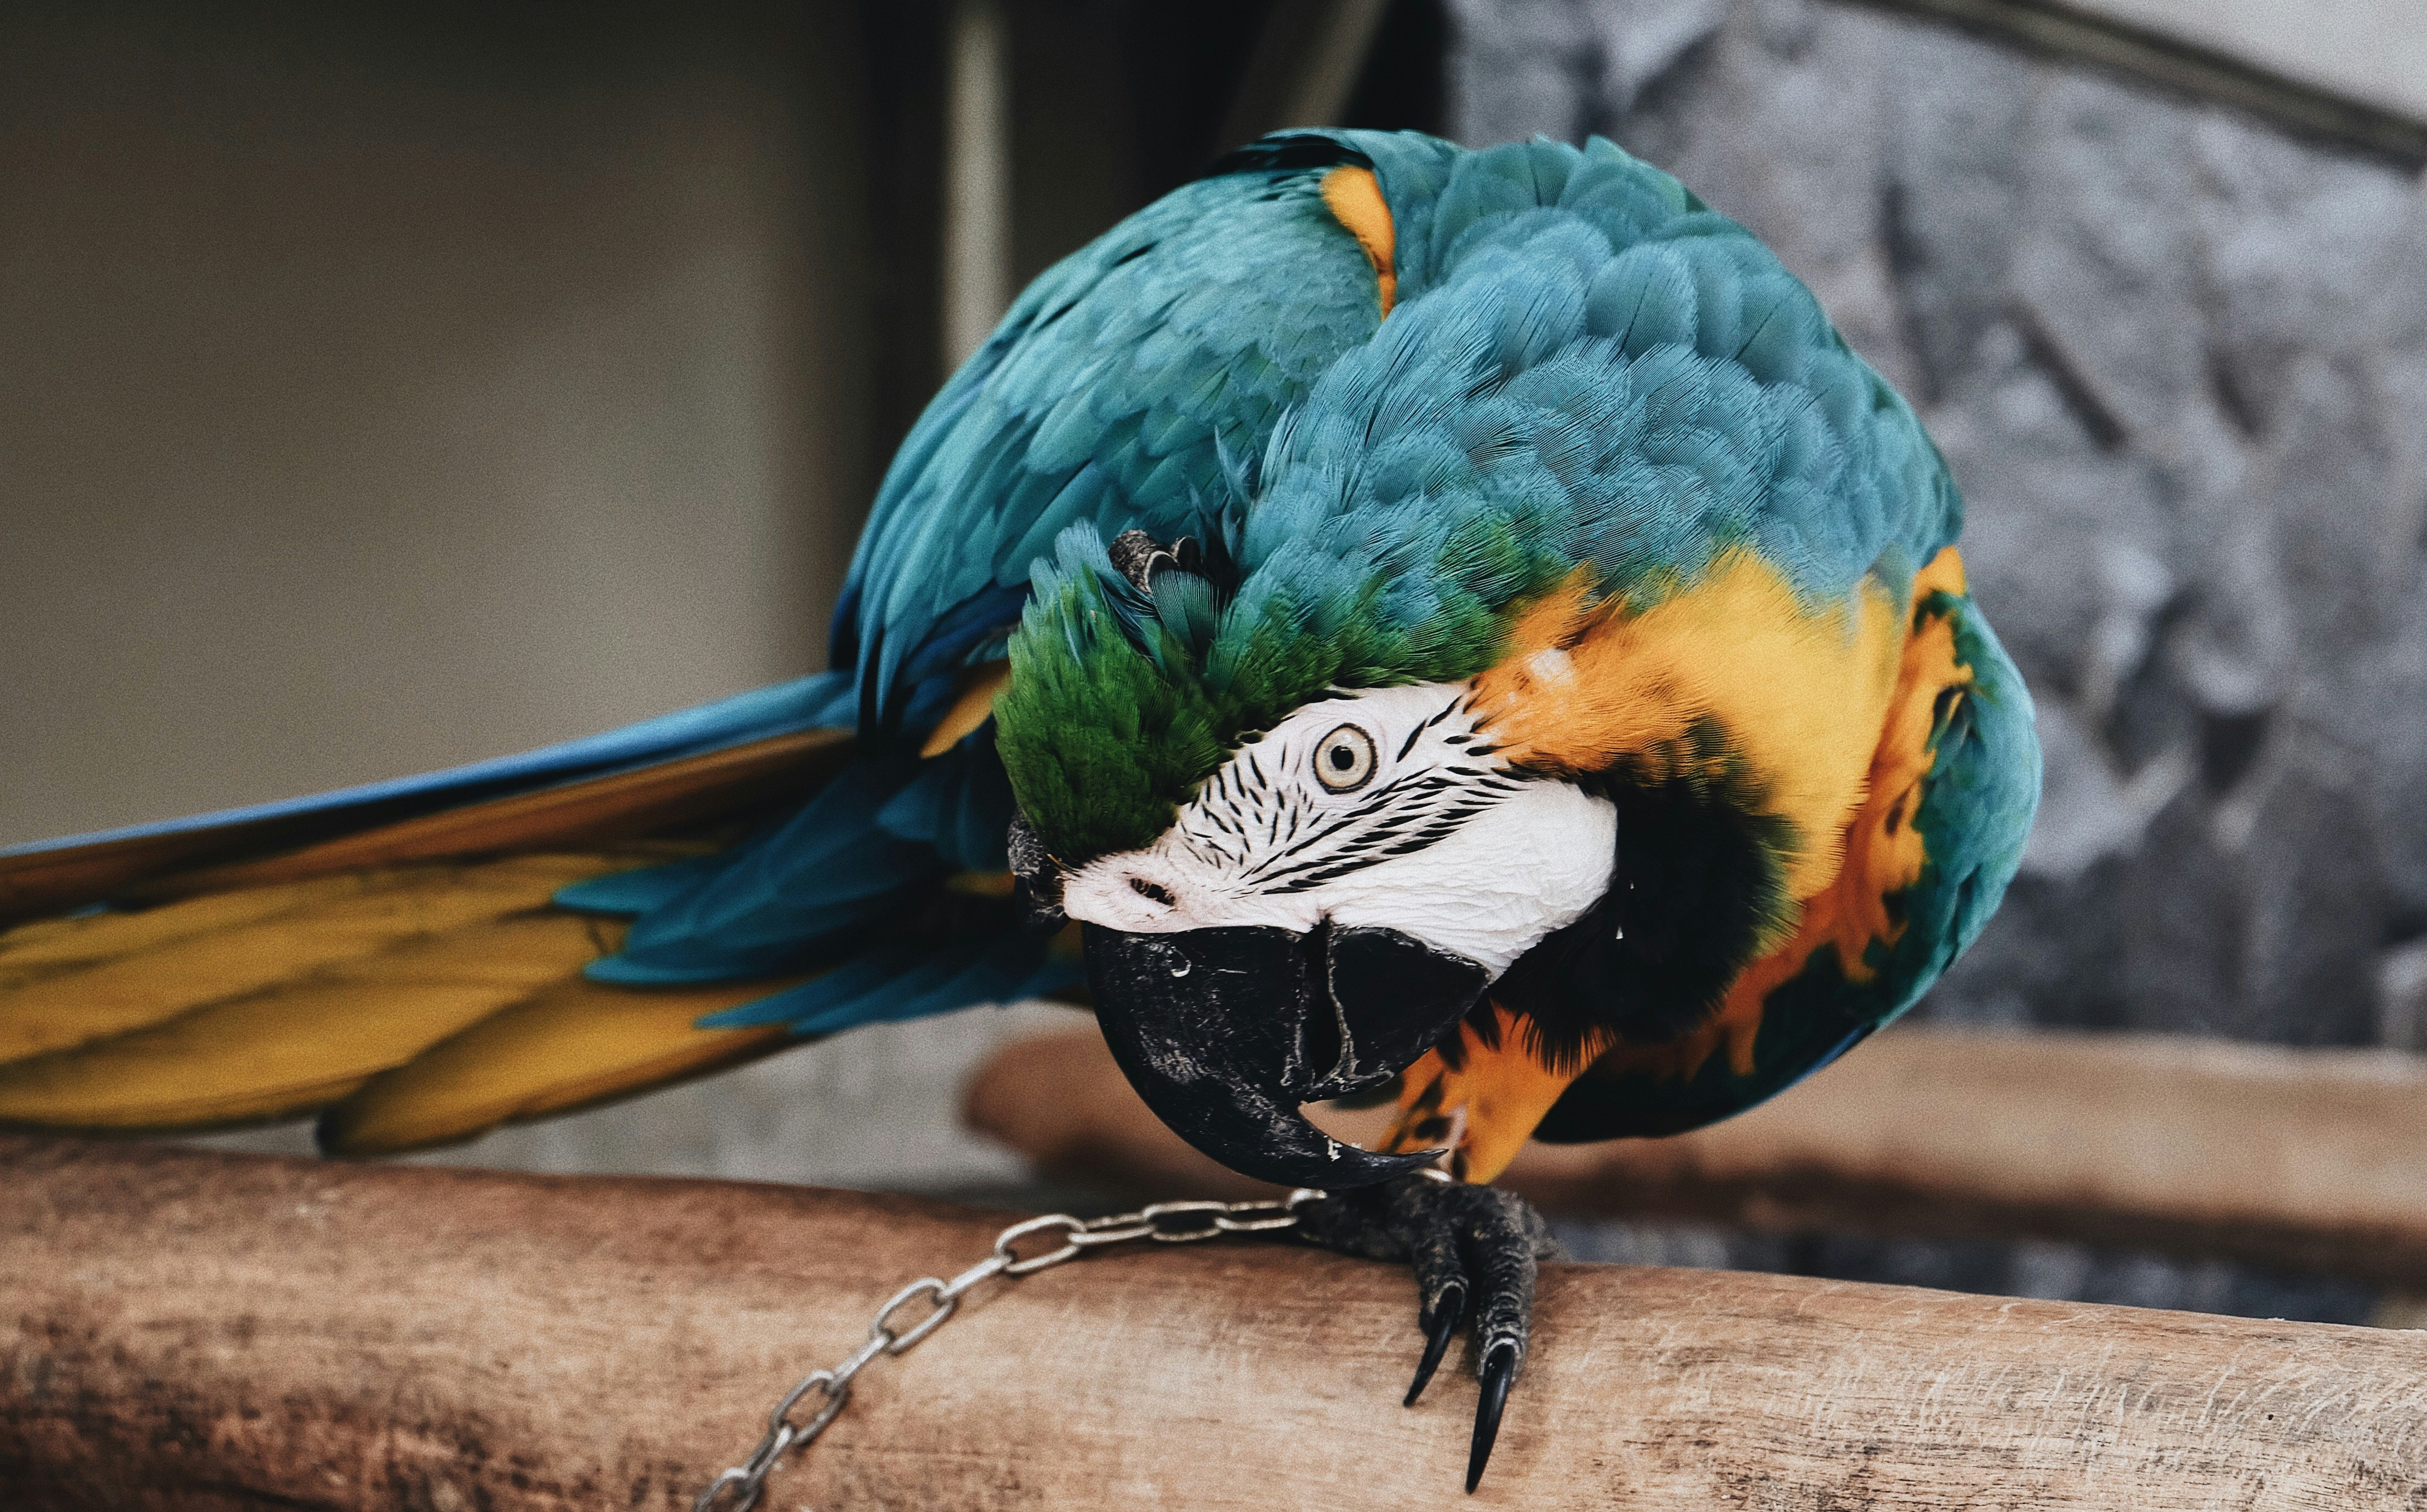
<point x="2314" y="1159"/>
<point x="184" y="1330"/>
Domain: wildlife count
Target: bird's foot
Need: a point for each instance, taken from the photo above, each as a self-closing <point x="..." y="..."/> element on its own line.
<point x="1474" y="1249"/>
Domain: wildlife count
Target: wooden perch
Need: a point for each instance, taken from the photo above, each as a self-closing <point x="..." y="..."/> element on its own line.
<point x="2314" y="1159"/>
<point x="190" y="1330"/>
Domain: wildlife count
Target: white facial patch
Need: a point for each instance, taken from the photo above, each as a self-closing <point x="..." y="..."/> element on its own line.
<point x="1382" y="808"/>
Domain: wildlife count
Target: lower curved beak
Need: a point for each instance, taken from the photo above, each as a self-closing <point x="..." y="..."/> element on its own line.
<point x="1224" y="1032"/>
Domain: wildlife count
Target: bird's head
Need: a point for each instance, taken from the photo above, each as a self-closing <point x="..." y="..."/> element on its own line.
<point x="1326" y="905"/>
<point x="1267" y="776"/>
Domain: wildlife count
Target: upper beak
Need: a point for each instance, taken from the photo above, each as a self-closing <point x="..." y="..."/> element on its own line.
<point x="1225" y="1031"/>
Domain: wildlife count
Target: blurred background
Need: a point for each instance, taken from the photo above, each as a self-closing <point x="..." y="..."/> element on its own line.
<point x="392" y="385"/>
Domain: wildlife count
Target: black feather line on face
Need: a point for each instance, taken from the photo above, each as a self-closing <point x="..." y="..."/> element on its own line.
<point x="1378" y="819"/>
<point x="1431" y="835"/>
<point x="1241" y="810"/>
<point x="1455" y="706"/>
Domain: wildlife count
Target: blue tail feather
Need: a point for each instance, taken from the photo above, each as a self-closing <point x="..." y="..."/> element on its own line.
<point x="821" y="702"/>
<point x="903" y="980"/>
<point x="626" y="894"/>
<point x="772" y="902"/>
<point x="960" y="804"/>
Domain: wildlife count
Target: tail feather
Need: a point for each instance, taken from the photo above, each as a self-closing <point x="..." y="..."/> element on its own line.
<point x="376" y="991"/>
<point x="421" y="962"/>
<point x="570" y="1046"/>
<point x="905" y="978"/>
<point x="781" y="899"/>
<point x="626" y="894"/>
<point x="601" y="811"/>
<point x="31" y="952"/>
<point x="294" y="1048"/>
<point x="142" y="969"/>
<point x="52" y="876"/>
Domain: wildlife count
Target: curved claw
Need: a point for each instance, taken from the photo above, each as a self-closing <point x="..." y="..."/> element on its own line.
<point x="1474" y="1251"/>
<point x="1436" y="1336"/>
<point x="1498" y="1370"/>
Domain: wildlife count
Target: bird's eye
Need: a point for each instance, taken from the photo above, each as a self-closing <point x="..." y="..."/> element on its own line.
<point x="1344" y="760"/>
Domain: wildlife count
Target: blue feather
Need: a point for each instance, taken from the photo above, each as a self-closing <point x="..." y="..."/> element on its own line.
<point x="899" y="979"/>
<point x="778" y="902"/>
<point x="818" y="702"/>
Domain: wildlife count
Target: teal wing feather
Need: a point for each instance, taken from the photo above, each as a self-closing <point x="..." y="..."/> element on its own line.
<point x="1975" y="812"/>
<point x="1132" y="385"/>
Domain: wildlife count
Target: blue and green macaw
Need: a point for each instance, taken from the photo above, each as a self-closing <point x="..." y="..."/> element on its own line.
<point x="1384" y="612"/>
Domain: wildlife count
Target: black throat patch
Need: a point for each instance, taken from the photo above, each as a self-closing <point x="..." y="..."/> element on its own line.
<point x="1696" y="884"/>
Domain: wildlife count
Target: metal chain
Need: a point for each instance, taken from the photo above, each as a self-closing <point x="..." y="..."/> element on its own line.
<point x="1164" y="1223"/>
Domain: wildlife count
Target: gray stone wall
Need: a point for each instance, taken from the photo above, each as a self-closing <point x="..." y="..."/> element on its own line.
<point x="2178" y="363"/>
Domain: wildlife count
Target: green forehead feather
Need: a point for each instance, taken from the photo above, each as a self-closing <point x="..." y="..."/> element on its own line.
<point x="1115" y="712"/>
<point x="1094" y="734"/>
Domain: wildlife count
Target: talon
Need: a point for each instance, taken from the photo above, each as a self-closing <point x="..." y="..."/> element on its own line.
<point x="1474" y="1251"/>
<point x="1499" y="1368"/>
<point x="1445" y="1328"/>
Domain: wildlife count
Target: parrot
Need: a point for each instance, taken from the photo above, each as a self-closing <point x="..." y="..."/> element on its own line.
<point x="1387" y="619"/>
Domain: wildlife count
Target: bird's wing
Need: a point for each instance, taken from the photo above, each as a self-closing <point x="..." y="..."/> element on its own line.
<point x="1133" y="384"/>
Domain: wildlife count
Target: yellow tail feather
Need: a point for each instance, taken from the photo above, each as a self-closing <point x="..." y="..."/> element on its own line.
<point x="29" y="953"/>
<point x="114" y="973"/>
<point x="572" y="1045"/>
<point x="420" y="993"/>
<point x="293" y="1047"/>
<point x="578" y="815"/>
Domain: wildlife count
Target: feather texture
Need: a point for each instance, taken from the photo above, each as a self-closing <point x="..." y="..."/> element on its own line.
<point x="570" y="1046"/>
<point x="1108" y="396"/>
<point x="603" y="810"/>
<point x="294" y="1047"/>
<point x="275" y="1001"/>
<point x="55" y="875"/>
<point x="112" y="973"/>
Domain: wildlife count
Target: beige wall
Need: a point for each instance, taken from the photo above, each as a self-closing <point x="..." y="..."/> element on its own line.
<point x="382" y="395"/>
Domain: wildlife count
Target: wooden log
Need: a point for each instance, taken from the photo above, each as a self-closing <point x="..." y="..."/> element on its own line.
<point x="190" y="1330"/>
<point x="2311" y="1160"/>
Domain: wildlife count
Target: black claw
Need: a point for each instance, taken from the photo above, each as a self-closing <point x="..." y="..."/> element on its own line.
<point x="1474" y="1251"/>
<point x="1444" y="1328"/>
<point x="1499" y="1368"/>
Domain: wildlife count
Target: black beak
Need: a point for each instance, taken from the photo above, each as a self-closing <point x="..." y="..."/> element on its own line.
<point x="1225" y="1031"/>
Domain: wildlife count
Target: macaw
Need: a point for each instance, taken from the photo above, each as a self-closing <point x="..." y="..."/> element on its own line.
<point x="1384" y="615"/>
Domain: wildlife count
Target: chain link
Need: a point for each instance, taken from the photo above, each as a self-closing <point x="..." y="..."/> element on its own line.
<point x="737" y="1490"/>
